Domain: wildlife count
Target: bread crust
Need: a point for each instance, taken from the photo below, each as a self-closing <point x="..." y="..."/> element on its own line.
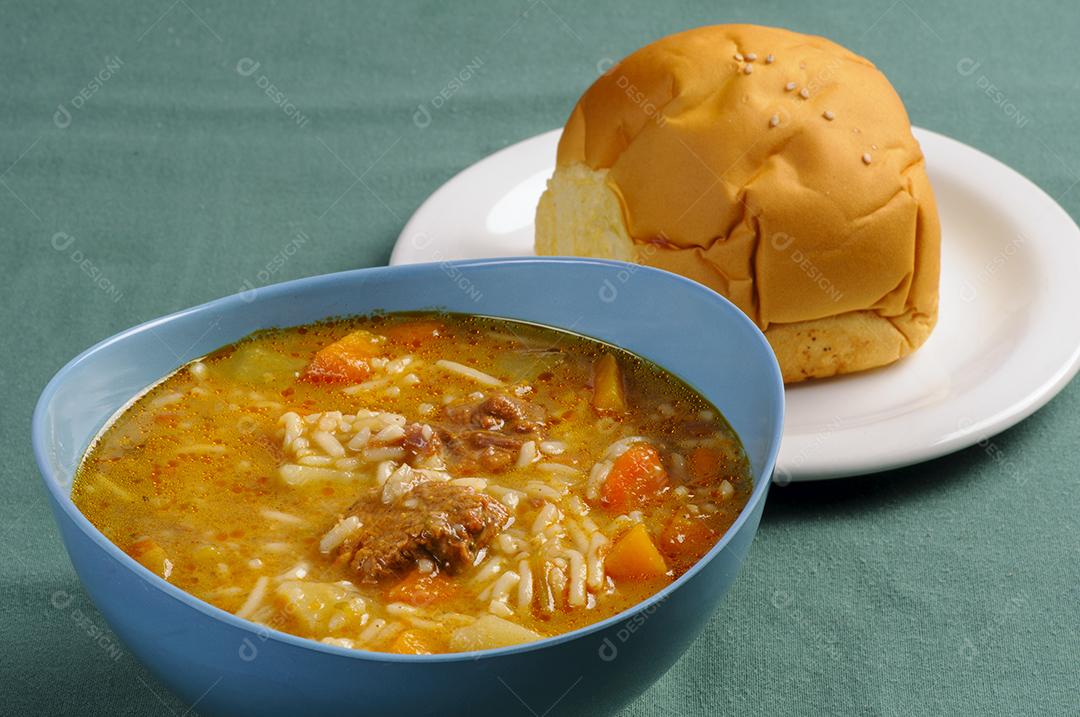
<point x="855" y="341"/>
<point x="811" y="211"/>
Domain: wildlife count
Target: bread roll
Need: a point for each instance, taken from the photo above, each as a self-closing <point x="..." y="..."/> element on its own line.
<point x="778" y="169"/>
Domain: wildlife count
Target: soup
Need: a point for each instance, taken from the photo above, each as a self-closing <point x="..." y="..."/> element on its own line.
<point x="417" y="483"/>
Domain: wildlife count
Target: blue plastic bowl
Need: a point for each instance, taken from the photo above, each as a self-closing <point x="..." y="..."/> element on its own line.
<point x="235" y="667"/>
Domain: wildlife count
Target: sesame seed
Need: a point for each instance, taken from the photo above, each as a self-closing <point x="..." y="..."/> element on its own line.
<point x="829" y="115"/>
<point x="789" y="86"/>
<point x="774" y="120"/>
<point x="873" y="146"/>
<point x="738" y="56"/>
<point x="748" y="69"/>
<point x="866" y="158"/>
<point x="804" y="93"/>
<point x="769" y="59"/>
<point x="751" y="56"/>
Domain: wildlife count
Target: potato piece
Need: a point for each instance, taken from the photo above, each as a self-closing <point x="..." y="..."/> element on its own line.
<point x="207" y="555"/>
<point x="609" y="394"/>
<point x="321" y="609"/>
<point x="152" y="557"/>
<point x="635" y="557"/>
<point x="251" y="363"/>
<point x="528" y="364"/>
<point x="489" y="632"/>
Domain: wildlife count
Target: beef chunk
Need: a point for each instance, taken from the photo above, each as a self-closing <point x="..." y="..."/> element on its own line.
<point x="492" y="439"/>
<point x="485" y="436"/>
<point x="447" y="523"/>
<point x="516" y="415"/>
<point x="486" y="451"/>
<point x="422" y="445"/>
<point x="499" y="412"/>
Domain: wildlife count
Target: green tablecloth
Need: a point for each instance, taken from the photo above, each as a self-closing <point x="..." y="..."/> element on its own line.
<point x="143" y="173"/>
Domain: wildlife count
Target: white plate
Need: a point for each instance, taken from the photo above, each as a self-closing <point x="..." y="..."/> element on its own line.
<point x="1007" y="341"/>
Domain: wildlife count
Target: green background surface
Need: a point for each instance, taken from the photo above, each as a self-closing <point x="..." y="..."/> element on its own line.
<point x="951" y="587"/>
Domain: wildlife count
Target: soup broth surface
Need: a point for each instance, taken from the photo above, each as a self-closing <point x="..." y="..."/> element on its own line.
<point x="417" y="483"/>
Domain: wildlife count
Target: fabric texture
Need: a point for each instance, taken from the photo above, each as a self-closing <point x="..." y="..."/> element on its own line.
<point x="157" y="155"/>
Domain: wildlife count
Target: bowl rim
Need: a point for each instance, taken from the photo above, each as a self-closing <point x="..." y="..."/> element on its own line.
<point x="263" y="633"/>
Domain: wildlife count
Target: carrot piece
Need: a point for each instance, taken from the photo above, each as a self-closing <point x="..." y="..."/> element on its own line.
<point x="704" y="463"/>
<point x="344" y="361"/>
<point x="416" y="588"/>
<point x="636" y="477"/>
<point x="412" y="642"/>
<point x="635" y="557"/>
<point x="609" y="394"/>
<point x="414" y="333"/>
<point x="684" y="536"/>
